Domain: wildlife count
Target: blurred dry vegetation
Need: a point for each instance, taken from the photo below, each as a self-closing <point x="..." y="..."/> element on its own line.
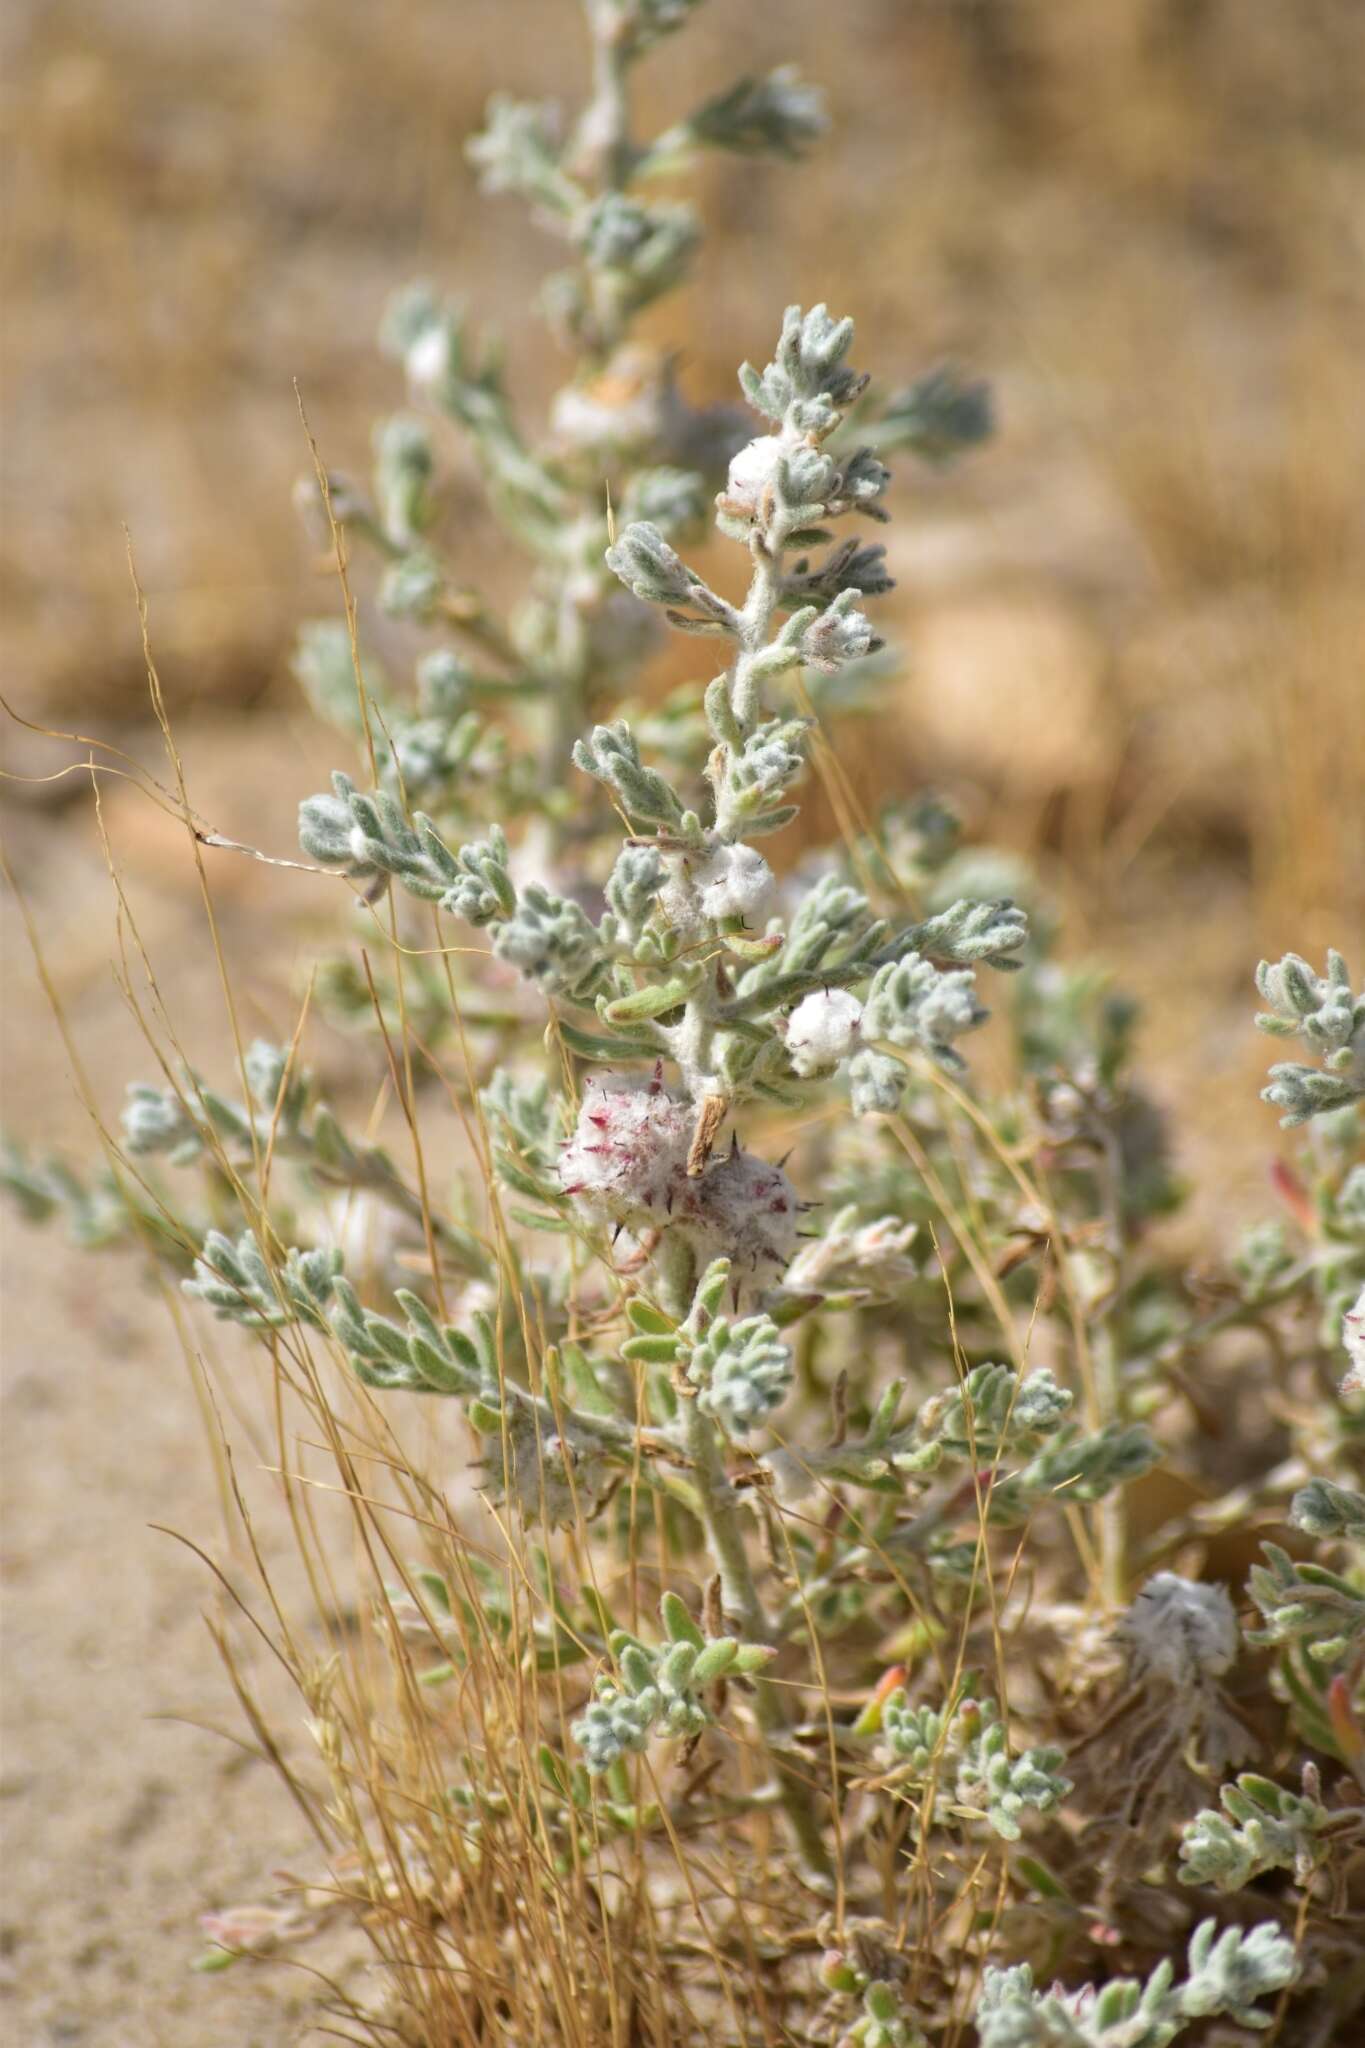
<point x="1135" y="623"/>
<point x="1139" y="615"/>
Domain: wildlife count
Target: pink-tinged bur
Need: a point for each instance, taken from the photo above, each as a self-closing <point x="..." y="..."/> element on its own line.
<point x="1346" y="1729"/>
<point x="1293" y="1194"/>
<point x="870" y="1720"/>
<point x="628" y="1162"/>
<point x="837" y="1973"/>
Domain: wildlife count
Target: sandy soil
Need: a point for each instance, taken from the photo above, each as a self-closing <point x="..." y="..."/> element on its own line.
<point x="125" y="1813"/>
<point x="133" y="1799"/>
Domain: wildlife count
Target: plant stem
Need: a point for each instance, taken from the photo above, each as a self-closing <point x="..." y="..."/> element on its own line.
<point x="720" y="1504"/>
<point x="608" y="114"/>
<point x="721" y="1518"/>
<point x="1106" y="1347"/>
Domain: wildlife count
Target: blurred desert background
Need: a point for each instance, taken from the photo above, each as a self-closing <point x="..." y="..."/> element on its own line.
<point x="1134" y="634"/>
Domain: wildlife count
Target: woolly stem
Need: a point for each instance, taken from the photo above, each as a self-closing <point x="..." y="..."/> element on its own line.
<point x="755" y="625"/>
<point x="721" y="1519"/>
<point x="608" y="115"/>
<point x="1106" y="1350"/>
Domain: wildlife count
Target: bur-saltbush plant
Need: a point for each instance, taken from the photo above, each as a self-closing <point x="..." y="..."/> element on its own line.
<point x="871" y="1424"/>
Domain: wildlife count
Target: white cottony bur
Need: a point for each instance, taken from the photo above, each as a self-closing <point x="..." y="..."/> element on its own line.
<point x="821" y="1029"/>
<point x="1179" y="1630"/>
<point x="428" y="360"/>
<point x="1353" y="1336"/>
<point x="753" y="469"/>
<point x="623" y="408"/>
<point x="364" y="1230"/>
<point x="735" y="882"/>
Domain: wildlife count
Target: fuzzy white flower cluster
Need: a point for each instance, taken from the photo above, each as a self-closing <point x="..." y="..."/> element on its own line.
<point x="874" y="1255"/>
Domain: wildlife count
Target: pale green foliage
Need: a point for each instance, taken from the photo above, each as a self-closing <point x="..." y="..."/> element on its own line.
<point x="994" y="1412"/>
<point x="612" y="754"/>
<point x="992" y="932"/>
<point x="550" y="940"/>
<point x="404" y="465"/>
<point x="742" y="1371"/>
<point x="1304" y="1603"/>
<point x="548" y="1457"/>
<point x="937" y="417"/>
<point x="423" y="1357"/>
<point x="738" y="1371"/>
<point x="911" y="1003"/>
<point x="641" y="251"/>
<point x="482" y="889"/>
<point x="993" y="1419"/>
<point x="156" y="1120"/>
<point x="1262" y="1259"/>
<point x="777" y="114"/>
<point x="1323" y="1510"/>
<point x="883" y="2021"/>
<point x="808" y="380"/>
<point x="1330" y="1019"/>
<point x="659" y="1689"/>
<point x="178" y="1123"/>
<point x="241" y="1286"/>
<point x="1228" y="1973"/>
<point x="100" y="1211"/>
<point x="633" y="888"/>
<point x="1261" y="1827"/>
<point x="964" y="1756"/>
<point x="523" y="1122"/>
<point x="1081" y="1469"/>
<point x="367" y="836"/>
